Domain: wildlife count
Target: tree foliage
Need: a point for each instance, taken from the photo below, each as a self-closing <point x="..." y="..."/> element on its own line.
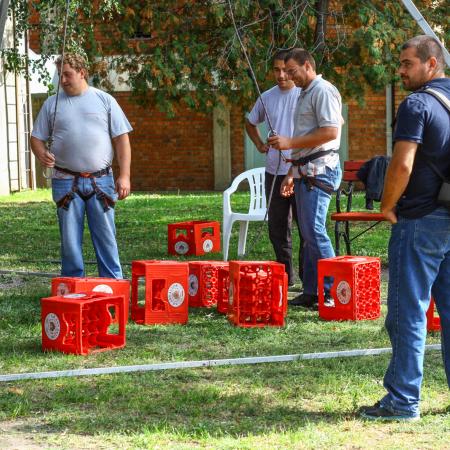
<point x="186" y="51"/>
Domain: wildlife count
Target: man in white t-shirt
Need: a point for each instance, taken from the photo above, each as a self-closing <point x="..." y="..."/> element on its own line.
<point x="280" y="103"/>
<point x="88" y="127"/>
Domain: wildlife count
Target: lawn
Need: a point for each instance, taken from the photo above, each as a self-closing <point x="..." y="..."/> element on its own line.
<point x="304" y="404"/>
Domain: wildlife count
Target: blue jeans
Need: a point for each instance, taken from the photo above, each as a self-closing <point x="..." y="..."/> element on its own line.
<point x="312" y="208"/>
<point x="419" y="265"/>
<point x="100" y="222"/>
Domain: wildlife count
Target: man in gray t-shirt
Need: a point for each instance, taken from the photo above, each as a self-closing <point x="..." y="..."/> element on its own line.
<point x="316" y="171"/>
<point x="280" y="102"/>
<point x="75" y="134"/>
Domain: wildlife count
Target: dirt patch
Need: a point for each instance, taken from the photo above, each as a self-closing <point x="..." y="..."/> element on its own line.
<point x="13" y="436"/>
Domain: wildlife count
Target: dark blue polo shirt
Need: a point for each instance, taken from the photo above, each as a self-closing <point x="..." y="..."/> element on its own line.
<point x="423" y="119"/>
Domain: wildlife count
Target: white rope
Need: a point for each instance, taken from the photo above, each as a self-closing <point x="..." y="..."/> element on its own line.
<point x="201" y="363"/>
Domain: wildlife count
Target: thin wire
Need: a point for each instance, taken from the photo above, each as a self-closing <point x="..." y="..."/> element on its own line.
<point x="271" y="133"/>
<point x="253" y="76"/>
<point x="50" y="139"/>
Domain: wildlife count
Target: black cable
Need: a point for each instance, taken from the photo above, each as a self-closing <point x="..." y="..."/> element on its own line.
<point x="50" y="139"/>
<point x="272" y="132"/>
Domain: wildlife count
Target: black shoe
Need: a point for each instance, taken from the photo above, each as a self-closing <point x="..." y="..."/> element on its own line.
<point x="328" y="301"/>
<point x="305" y="300"/>
<point x="378" y="412"/>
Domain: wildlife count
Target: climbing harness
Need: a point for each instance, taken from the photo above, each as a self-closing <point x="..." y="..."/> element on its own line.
<point x="106" y="201"/>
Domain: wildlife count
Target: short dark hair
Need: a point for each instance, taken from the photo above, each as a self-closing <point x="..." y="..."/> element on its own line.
<point x="426" y="47"/>
<point x="300" y="56"/>
<point x="279" y="55"/>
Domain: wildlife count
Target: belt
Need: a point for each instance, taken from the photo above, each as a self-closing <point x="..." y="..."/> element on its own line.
<point x="307" y="159"/>
<point x="99" y="173"/>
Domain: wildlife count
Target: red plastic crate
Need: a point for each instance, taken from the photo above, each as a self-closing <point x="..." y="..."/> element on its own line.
<point x="433" y="319"/>
<point x="68" y="285"/>
<point x="78" y="323"/>
<point x="162" y="298"/>
<point x="204" y="282"/>
<point x="355" y="289"/>
<point x="197" y="237"/>
<point x="223" y="288"/>
<point x="257" y="293"/>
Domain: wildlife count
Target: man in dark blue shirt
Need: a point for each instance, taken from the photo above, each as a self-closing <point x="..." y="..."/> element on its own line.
<point x="419" y="248"/>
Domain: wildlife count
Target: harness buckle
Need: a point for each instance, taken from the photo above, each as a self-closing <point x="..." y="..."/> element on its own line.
<point x="85" y="174"/>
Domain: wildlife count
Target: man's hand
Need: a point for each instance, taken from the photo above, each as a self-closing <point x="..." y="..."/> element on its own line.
<point x="123" y="186"/>
<point x="390" y="215"/>
<point x="279" y="142"/>
<point x="262" y="148"/>
<point x="287" y="186"/>
<point x="46" y="158"/>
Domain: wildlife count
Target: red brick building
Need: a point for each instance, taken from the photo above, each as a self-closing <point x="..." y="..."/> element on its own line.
<point x="192" y="151"/>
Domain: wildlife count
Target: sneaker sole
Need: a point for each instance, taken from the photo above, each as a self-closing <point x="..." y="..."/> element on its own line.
<point x="391" y="418"/>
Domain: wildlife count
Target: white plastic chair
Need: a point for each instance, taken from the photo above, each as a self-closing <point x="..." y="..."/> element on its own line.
<point x="256" y="210"/>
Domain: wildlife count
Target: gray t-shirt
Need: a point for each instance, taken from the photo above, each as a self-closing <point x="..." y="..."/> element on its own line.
<point x="280" y="106"/>
<point x="84" y="127"/>
<point x="319" y="105"/>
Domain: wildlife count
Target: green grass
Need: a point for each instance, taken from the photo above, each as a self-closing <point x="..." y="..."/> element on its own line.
<point x="30" y="236"/>
<point x="304" y="404"/>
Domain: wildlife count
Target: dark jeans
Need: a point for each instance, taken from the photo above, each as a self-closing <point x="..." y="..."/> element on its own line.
<point x="281" y="212"/>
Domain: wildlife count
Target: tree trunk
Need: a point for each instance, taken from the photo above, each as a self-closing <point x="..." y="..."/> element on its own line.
<point x="322" y="7"/>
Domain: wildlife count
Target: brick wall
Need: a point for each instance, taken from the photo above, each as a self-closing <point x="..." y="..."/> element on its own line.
<point x="367" y="127"/>
<point x="169" y="154"/>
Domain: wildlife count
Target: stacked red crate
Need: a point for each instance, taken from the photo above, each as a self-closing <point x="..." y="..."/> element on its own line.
<point x="159" y="292"/>
<point x="68" y="285"/>
<point x="80" y="323"/>
<point x="355" y="289"/>
<point x="204" y="282"/>
<point x="196" y="237"/>
<point x="257" y="293"/>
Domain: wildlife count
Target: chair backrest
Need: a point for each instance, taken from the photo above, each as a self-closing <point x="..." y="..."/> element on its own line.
<point x="350" y="169"/>
<point x="256" y="179"/>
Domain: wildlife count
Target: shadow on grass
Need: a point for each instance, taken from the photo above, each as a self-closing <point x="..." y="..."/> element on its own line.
<point x="184" y="403"/>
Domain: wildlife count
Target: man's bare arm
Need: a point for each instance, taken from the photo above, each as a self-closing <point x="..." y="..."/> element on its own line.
<point x="123" y="153"/>
<point x="254" y="135"/>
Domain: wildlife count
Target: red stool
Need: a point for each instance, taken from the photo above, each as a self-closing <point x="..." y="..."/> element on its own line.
<point x="204" y="282"/>
<point x="433" y="320"/>
<point x="355" y="289"/>
<point x="68" y="285"/>
<point x="164" y="299"/>
<point x="193" y="238"/>
<point x="223" y="287"/>
<point x="257" y="293"/>
<point x="79" y="323"/>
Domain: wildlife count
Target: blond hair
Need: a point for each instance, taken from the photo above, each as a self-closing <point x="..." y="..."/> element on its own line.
<point x="76" y="61"/>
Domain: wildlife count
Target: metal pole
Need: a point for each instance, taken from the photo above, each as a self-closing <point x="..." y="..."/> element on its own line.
<point x="423" y="24"/>
<point x="201" y="363"/>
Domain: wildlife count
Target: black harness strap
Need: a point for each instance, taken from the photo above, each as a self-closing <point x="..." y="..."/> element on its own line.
<point x="309" y="158"/>
<point x="312" y="182"/>
<point x="106" y="200"/>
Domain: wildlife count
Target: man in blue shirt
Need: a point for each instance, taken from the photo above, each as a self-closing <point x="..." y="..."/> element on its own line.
<point x="419" y="248"/>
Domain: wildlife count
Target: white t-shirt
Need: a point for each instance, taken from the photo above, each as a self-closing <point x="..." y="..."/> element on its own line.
<point x="280" y="105"/>
<point x="84" y="127"/>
